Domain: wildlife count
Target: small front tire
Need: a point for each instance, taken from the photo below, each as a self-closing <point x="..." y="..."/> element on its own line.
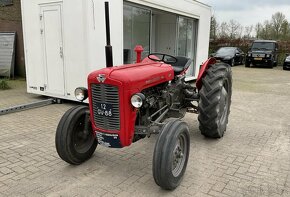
<point x="74" y="139"/>
<point x="171" y="155"/>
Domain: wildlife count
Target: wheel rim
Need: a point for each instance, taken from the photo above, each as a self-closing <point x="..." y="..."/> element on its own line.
<point x="82" y="139"/>
<point x="179" y="155"/>
<point x="224" y="106"/>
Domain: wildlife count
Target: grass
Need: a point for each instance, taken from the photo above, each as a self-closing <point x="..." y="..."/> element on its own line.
<point x="16" y="83"/>
<point x="4" y="84"/>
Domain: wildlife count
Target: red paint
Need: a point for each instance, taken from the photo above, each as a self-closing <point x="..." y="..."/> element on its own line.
<point x="202" y="72"/>
<point x="130" y="79"/>
<point x="138" y="49"/>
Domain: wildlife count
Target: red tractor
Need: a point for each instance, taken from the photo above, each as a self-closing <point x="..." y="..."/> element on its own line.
<point x="130" y="102"/>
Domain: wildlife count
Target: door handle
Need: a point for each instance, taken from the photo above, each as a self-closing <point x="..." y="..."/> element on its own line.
<point x="61" y="52"/>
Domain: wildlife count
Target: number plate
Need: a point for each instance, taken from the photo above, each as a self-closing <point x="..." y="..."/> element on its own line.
<point x="104" y="109"/>
<point x="258" y="58"/>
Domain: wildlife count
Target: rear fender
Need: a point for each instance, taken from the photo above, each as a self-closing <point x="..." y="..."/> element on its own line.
<point x="203" y="70"/>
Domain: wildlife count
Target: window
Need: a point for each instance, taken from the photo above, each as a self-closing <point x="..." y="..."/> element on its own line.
<point x="137" y="23"/>
<point x="186" y="41"/>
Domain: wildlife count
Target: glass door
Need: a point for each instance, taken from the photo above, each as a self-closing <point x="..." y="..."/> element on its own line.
<point x="186" y="40"/>
<point x="137" y="23"/>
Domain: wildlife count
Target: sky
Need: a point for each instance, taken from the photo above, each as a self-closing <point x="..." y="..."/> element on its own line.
<point x="248" y="12"/>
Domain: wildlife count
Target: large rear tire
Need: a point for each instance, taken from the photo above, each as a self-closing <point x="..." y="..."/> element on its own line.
<point x="215" y="100"/>
<point x="74" y="139"/>
<point x="171" y="155"/>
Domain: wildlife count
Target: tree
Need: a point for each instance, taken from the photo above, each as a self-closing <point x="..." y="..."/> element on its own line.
<point x="213" y="28"/>
<point x="224" y="29"/>
<point x="259" y="29"/>
<point x="277" y="21"/>
<point x="248" y="31"/>
<point x="285" y="30"/>
<point x="235" y="29"/>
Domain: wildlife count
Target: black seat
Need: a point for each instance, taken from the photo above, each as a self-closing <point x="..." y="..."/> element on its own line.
<point x="181" y="64"/>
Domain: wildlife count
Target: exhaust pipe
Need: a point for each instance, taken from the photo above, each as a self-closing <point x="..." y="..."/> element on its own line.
<point x="108" y="48"/>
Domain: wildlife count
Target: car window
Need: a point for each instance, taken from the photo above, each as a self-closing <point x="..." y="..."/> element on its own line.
<point x="263" y="46"/>
<point x="226" y="51"/>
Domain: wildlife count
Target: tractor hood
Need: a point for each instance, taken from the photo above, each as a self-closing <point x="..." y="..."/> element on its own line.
<point x="135" y="76"/>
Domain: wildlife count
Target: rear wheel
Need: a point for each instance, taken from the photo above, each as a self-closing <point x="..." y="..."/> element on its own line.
<point x="171" y="154"/>
<point x="215" y="101"/>
<point x="271" y="64"/>
<point x="74" y="139"/>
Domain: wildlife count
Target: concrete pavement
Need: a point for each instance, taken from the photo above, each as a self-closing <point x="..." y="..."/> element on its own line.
<point x="252" y="159"/>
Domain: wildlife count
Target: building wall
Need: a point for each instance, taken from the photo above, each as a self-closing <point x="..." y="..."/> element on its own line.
<point x="84" y="38"/>
<point x="10" y="21"/>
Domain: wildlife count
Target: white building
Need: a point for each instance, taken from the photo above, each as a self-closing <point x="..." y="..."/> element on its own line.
<point x="65" y="39"/>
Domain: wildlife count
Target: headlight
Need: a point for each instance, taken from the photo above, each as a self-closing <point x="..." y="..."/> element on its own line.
<point x="249" y="54"/>
<point x="81" y="94"/>
<point x="268" y="55"/>
<point x="287" y="59"/>
<point x="137" y="100"/>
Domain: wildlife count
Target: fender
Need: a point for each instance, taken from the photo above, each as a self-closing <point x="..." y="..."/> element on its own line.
<point x="202" y="72"/>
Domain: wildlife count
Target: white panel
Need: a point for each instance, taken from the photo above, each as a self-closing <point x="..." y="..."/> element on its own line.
<point x="75" y="43"/>
<point x="32" y="46"/>
<point x="53" y="48"/>
<point x="97" y="32"/>
<point x="84" y="37"/>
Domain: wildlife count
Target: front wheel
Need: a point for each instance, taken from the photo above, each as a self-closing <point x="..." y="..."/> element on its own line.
<point x="243" y="61"/>
<point x="171" y="154"/>
<point x="215" y="100"/>
<point x="232" y="62"/>
<point x="74" y="139"/>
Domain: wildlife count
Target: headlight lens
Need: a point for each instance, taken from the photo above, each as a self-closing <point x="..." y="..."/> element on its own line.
<point x="81" y="94"/>
<point x="137" y="100"/>
<point x="249" y="54"/>
<point x="288" y="59"/>
<point x="268" y="55"/>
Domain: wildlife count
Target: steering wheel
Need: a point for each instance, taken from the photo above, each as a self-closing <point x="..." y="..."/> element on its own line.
<point x="162" y="57"/>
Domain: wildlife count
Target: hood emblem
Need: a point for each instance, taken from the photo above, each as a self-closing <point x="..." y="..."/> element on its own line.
<point x="101" y="78"/>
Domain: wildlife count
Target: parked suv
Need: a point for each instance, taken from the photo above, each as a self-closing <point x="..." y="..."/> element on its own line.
<point x="263" y="52"/>
<point x="286" y="64"/>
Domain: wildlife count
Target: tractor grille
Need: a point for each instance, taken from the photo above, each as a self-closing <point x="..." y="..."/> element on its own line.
<point x="108" y="95"/>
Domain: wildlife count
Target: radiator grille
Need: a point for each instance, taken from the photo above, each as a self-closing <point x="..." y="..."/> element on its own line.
<point x="258" y="55"/>
<point x="106" y="94"/>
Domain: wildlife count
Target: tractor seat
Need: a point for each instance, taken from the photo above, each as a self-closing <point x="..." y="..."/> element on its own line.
<point x="182" y="64"/>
